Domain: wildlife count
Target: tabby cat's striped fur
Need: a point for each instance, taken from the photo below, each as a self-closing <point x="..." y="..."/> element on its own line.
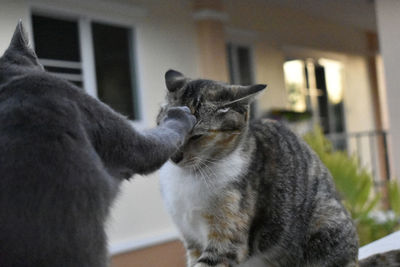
<point x="250" y="194"/>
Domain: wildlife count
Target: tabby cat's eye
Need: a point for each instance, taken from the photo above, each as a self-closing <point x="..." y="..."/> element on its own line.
<point x="195" y="137"/>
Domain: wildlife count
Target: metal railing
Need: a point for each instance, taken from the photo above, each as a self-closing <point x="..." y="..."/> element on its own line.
<point x="371" y="150"/>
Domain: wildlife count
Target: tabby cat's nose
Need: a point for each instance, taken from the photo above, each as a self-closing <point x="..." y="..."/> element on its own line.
<point x="177" y="157"/>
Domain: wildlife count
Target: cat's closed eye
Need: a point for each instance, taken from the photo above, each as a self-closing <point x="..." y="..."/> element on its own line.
<point x="195" y="137"/>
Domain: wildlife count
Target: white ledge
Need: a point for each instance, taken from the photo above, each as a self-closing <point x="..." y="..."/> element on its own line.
<point x="387" y="243"/>
<point x="94" y="9"/>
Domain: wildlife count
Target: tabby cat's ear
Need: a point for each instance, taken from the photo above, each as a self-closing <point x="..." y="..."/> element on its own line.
<point x="174" y="80"/>
<point x="19" y="52"/>
<point x="246" y="94"/>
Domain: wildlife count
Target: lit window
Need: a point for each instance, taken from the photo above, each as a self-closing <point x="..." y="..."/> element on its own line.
<point x="295" y="84"/>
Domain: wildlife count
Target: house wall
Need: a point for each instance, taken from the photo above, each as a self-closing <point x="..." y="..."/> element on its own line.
<point x="357" y="95"/>
<point x="286" y="26"/>
<point x="166" y="38"/>
<point x="284" y="33"/>
<point x="359" y="111"/>
<point x="268" y="65"/>
<point x="10" y="12"/>
<point x="389" y="35"/>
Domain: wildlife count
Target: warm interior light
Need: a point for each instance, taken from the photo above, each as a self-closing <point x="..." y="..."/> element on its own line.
<point x="334" y="79"/>
<point x="295" y="84"/>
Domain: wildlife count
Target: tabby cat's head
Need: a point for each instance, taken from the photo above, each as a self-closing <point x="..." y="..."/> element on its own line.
<point x="222" y="112"/>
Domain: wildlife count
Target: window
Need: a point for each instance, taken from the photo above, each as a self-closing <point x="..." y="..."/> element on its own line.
<point x="317" y="86"/>
<point x="113" y="67"/>
<point x="329" y="77"/>
<point x="61" y="51"/>
<point x="241" y="68"/>
<point x="295" y="81"/>
<point x="240" y="65"/>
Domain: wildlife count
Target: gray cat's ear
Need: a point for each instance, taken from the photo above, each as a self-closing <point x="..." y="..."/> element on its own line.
<point x="19" y="51"/>
<point x="20" y="39"/>
<point x="246" y="94"/>
<point x="174" y="80"/>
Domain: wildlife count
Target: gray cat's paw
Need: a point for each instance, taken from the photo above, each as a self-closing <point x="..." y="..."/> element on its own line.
<point x="181" y="115"/>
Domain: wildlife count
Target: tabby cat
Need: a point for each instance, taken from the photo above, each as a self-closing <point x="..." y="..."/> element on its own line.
<point x="250" y="193"/>
<point x="63" y="156"/>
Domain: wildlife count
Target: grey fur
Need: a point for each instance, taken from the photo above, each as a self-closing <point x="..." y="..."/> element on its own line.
<point x="63" y="156"/>
<point x="390" y="258"/>
<point x="281" y="207"/>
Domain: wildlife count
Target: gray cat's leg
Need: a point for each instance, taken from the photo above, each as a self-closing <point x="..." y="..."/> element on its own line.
<point x="165" y="139"/>
<point x="126" y="151"/>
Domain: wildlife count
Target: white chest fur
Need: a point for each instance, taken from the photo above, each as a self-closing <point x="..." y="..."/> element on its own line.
<point x="188" y="195"/>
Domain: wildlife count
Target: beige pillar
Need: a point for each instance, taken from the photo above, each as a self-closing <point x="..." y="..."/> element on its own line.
<point x="383" y="158"/>
<point x="210" y="18"/>
<point x="388" y="20"/>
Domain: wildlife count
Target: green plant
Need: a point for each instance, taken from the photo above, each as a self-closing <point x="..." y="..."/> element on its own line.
<point x="290" y="115"/>
<point x="355" y="185"/>
<point x="394" y="197"/>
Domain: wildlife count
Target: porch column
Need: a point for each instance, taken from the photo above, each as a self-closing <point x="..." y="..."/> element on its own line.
<point x="388" y="21"/>
<point x="210" y="17"/>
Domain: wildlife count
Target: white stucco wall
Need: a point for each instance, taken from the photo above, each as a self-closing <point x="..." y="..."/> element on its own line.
<point x="359" y="111"/>
<point x="10" y="12"/>
<point x="357" y="95"/>
<point x="388" y="21"/>
<point x="288" y="26"/>
<point x="268" y="65"/>
<point x="166" y="38"/>
<point x="283" y="33"/>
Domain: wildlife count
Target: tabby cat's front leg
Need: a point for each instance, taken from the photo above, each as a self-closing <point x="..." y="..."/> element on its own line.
<point x="193" y="252"/>
<point x="222" y="254"/>
<point x="227" y="234"/>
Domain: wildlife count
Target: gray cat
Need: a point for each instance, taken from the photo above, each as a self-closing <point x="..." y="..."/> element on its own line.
<point x="63" y="156"/>
<point x="250" y="194"/>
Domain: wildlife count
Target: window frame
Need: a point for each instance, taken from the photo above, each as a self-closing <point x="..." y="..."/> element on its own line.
<point x="234" y="56"/>
<point x="247" y="38"/>
<point x="84" y="20"/>
<point x="242" y="38"/>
